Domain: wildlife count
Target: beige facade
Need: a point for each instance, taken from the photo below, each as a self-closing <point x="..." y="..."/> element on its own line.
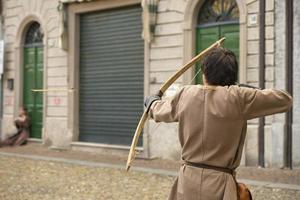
<point x="17" y="17"/>
<point x="173" y="45"/>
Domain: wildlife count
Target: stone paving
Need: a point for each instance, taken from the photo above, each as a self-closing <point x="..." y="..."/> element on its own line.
<point x="273" y="175"/>
<point x="27" y="179"/>
<point x="24" y="179"/>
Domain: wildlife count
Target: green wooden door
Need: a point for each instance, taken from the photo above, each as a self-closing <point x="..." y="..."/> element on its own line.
<point x="33" y="79"/>
<point x="217" y="19"/>
<point x="208" y="35"/>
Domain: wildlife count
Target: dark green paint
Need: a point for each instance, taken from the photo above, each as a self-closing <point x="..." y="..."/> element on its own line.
<point x="208" y="35"/>
<point x="33" y="79"/>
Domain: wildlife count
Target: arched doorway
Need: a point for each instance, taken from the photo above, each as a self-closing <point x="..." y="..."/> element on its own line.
<point x="216" y="19"/>
<point x="33" y="77"/>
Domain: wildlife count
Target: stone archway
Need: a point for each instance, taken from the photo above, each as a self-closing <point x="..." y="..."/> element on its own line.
<point x="23" y="28"/>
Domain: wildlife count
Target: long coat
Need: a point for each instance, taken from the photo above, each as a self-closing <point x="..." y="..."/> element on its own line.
<point x="212" y="129"/>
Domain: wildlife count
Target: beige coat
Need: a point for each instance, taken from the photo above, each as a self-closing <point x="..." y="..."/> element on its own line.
<point x="212" y="128"/>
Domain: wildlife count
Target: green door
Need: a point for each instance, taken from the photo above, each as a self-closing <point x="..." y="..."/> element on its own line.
<point x="217" y="19"/>
<point x="33" y="79"/>
<point x="208" y="35"/>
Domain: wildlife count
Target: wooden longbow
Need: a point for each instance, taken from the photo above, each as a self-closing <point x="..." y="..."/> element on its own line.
<point x="163" y="88"/>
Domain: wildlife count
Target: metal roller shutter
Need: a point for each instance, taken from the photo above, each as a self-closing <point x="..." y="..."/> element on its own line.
<point x="111" y="75"/>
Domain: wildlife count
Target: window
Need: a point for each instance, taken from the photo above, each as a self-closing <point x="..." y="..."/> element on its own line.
<point x="218" y="11"/>
<point x="34" y="35"/>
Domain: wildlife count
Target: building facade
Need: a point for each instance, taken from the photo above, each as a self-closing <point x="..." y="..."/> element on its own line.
<point x="82" y="69"/>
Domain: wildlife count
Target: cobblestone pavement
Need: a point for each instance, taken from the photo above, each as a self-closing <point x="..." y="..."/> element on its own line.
<point x="26" y="179"/>
<point x="273" y="175"/>
<point x="23" y="179"/>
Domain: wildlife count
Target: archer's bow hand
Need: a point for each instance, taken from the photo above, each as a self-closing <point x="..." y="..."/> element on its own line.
<point x="150" y="100"/>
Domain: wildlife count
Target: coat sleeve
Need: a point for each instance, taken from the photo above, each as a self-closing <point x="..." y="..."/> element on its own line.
<point x="166" y="110"/>
<point x="258" y="103"/>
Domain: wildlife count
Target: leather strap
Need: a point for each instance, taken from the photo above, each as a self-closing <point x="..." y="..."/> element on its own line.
<point x="216" y="168"/>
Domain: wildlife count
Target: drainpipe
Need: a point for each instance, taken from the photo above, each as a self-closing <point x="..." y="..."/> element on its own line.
<point x="289" y="82"/>
<point x="262" y="47"/>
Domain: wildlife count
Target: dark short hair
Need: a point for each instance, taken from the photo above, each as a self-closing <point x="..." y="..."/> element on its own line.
<point x="220" y="67"/>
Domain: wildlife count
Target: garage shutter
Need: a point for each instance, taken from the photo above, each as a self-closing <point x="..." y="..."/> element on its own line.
<point x="111" y="75"/>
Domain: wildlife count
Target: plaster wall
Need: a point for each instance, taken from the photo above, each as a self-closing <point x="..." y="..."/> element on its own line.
<point x="166" y="57"/>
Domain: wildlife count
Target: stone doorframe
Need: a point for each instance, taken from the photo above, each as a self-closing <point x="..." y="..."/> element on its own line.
<point x="19" y="64"/>
<point x="74" y="11"/>
<point x="189" y="36"/>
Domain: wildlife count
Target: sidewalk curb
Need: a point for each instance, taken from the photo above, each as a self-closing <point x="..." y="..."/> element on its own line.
<point x="141" y="169"/>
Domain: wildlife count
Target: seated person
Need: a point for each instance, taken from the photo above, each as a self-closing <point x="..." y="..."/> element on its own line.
<point x="22" y="123"/>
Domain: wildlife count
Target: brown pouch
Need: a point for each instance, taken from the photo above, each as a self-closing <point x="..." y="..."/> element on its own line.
<point x="243" y="192"/>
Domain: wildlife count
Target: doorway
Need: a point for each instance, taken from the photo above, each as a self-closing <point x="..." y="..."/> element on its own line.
<point x="217" y="19"/>
<point x="33" y="78"/>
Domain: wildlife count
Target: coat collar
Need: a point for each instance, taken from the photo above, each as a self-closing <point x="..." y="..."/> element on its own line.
<point x="208" y="87"/>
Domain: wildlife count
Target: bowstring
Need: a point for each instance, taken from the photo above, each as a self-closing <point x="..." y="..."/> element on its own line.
<point x="192" y="80"/>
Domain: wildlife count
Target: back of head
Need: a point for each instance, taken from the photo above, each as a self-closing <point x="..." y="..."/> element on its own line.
<point x="220" y="67"/>
<point x="23" y="110"/>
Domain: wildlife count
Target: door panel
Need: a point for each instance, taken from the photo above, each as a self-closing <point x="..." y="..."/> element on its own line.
<point x="205" y="37"/>
<point x="231" y="32"/>
<point x="33" y="79"/>
<point x="208" y="35"/>
<point x="39" y="95"/>
<point x="29" y="83"/>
